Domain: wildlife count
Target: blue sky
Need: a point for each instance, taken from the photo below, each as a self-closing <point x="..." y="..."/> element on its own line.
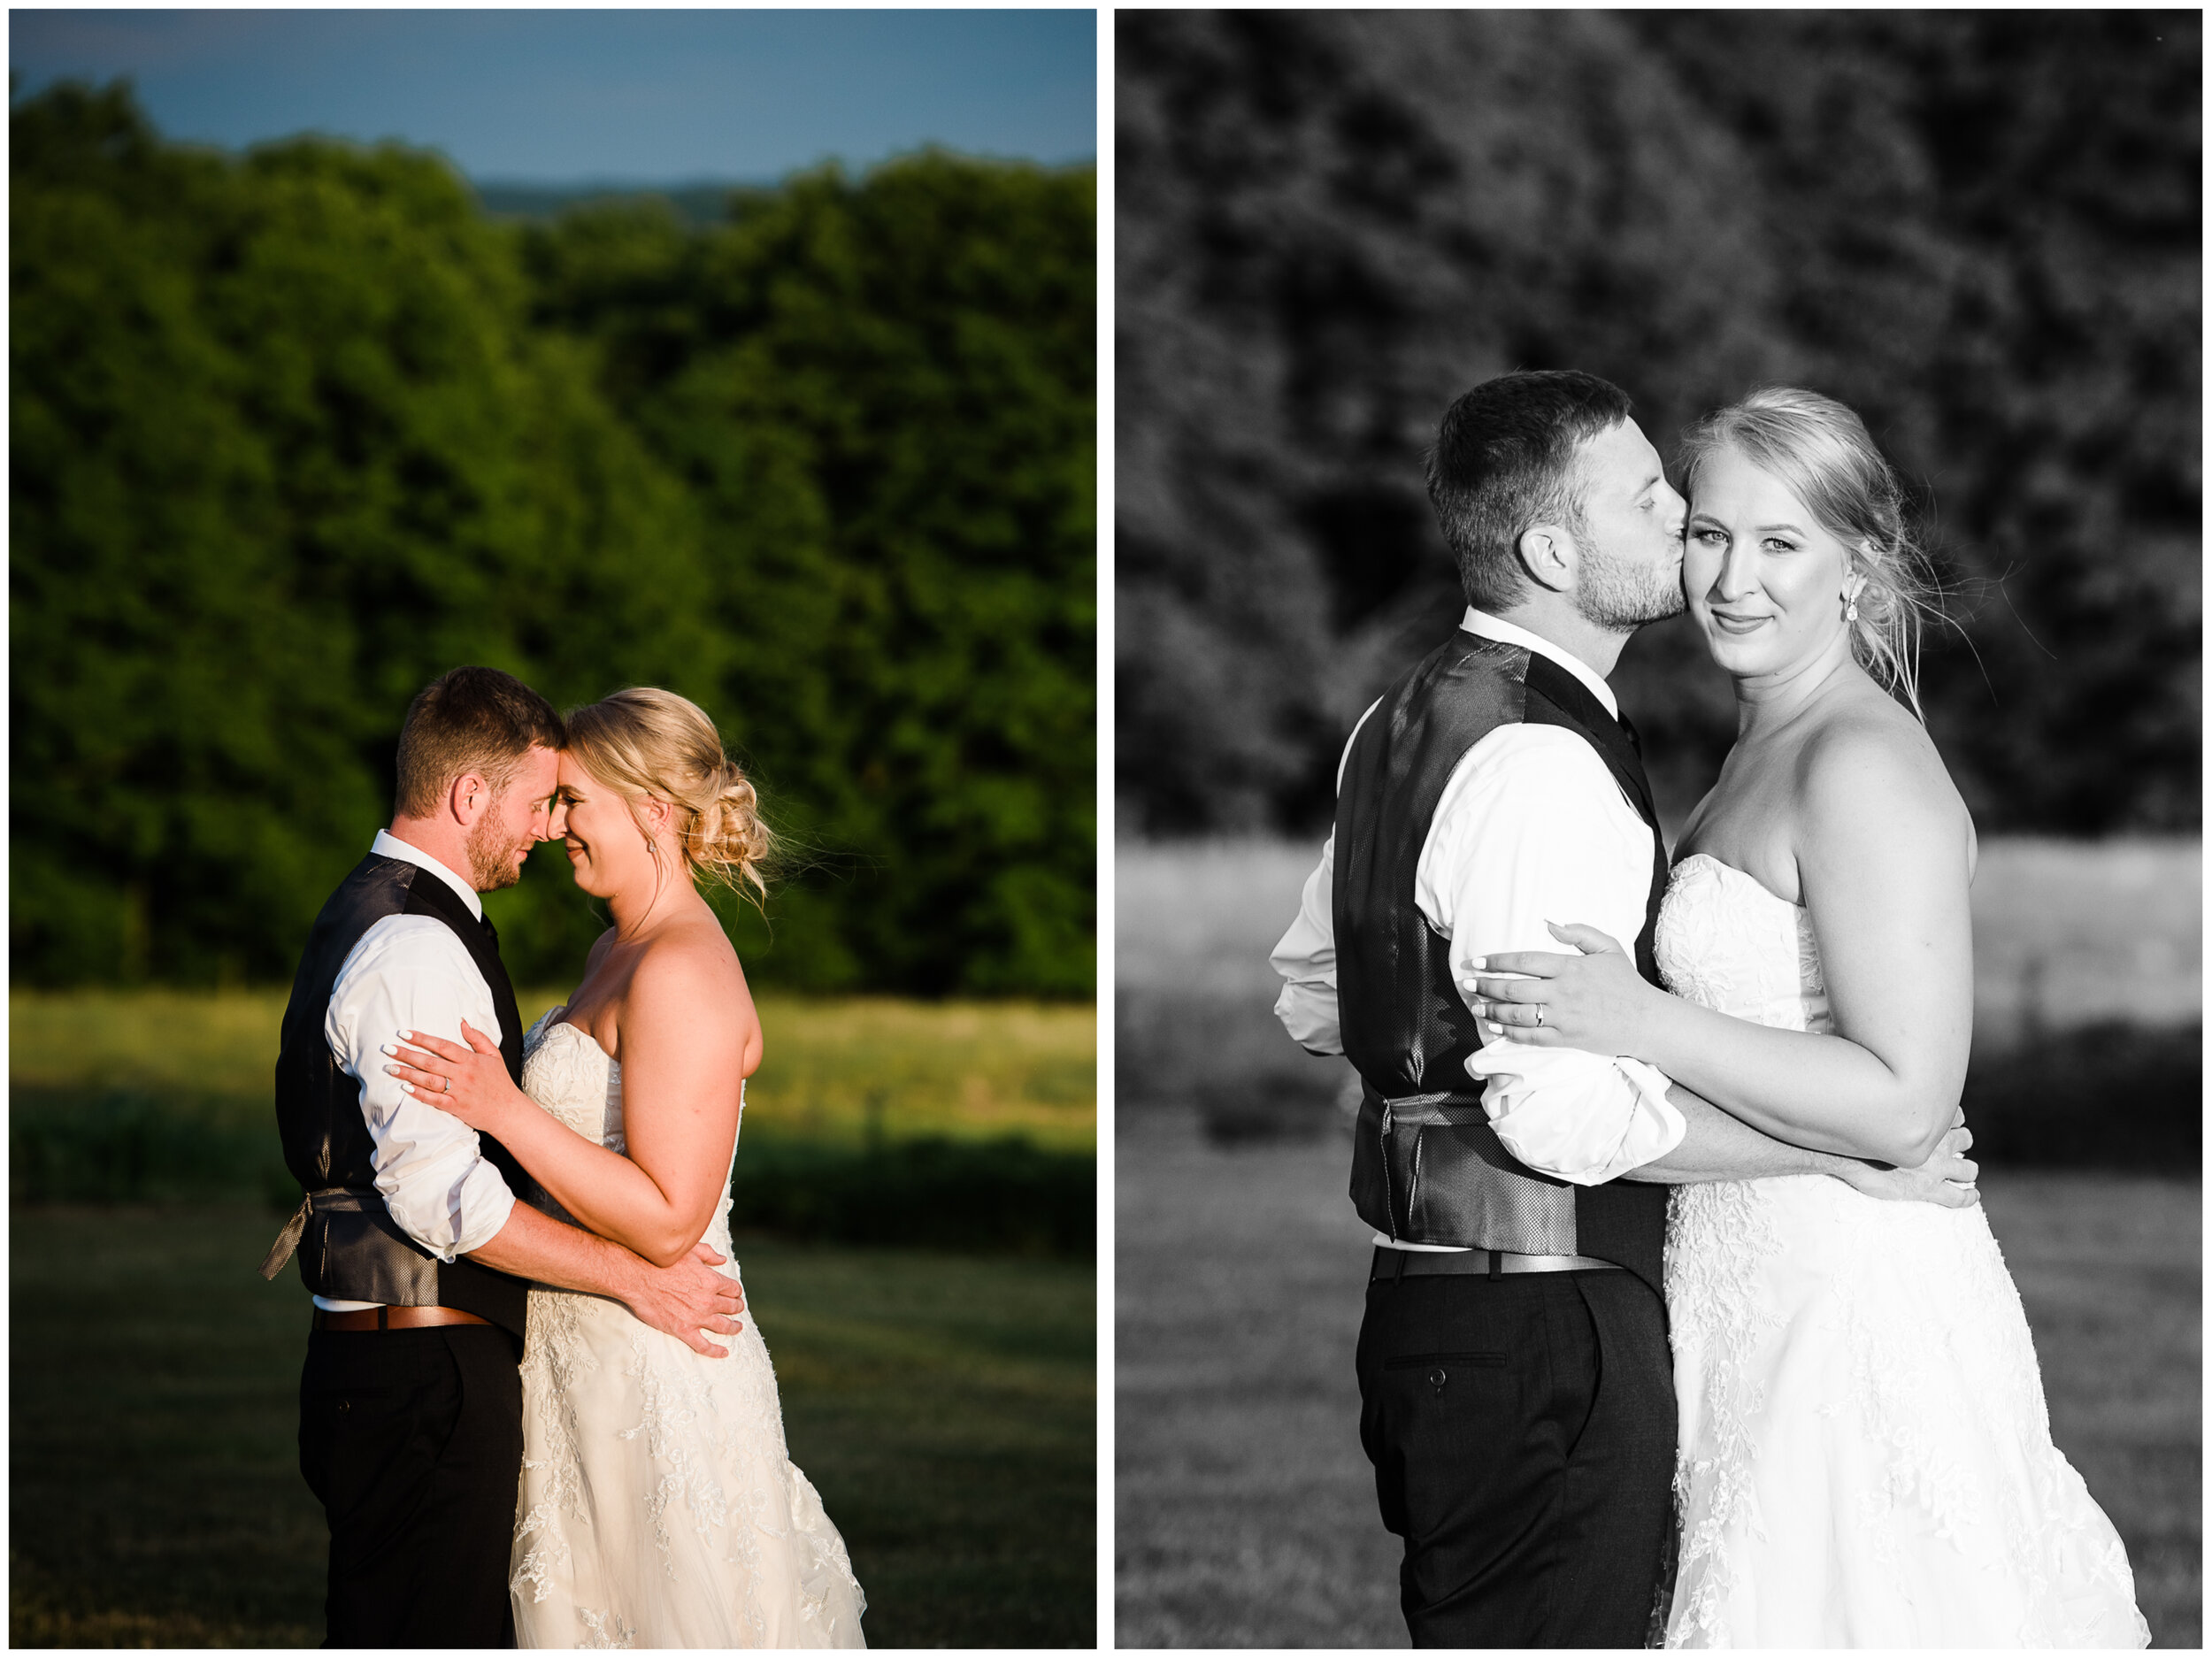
<point x="600" y="96"/>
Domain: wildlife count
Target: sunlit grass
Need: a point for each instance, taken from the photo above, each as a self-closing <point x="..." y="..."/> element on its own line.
<point x="836" y="1071"/>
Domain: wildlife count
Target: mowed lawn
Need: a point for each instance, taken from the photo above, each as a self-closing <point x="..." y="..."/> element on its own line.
<point x="1245" y="1512"/>
<point x="944" y="1405"/>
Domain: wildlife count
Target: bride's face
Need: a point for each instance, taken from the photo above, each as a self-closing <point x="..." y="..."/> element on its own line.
<point x="1765" y="582"/>
<point x="606" y="849"/>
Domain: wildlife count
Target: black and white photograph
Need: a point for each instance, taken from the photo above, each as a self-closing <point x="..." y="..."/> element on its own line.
<point x="1657" y="575"/>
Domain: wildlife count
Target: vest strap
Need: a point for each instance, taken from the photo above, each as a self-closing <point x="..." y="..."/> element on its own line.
<point x="1454" y="1109"/>
<point x="334" y="1197"/>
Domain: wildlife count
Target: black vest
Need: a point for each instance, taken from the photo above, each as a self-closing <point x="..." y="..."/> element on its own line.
<point x="1426" y="1165"/>
<point x="350" y="1248"/>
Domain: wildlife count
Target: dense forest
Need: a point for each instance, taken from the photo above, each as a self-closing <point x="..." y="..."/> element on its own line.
<point x="1980" y="229"/>
<point x="295" y="430"/>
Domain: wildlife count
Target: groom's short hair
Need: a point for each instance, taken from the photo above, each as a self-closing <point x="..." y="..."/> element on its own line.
<point x="1504" y="461"/>
<point x="471" y="719"/>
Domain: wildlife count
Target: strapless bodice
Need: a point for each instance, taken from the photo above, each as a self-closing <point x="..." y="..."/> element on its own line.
<point x="1727" y="943"/>
<point x="565" y="1070"/>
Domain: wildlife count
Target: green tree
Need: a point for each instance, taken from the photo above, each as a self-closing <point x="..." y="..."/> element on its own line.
<point x="284" y="450"/>
<point x="881" y="393"/>
<point x="298" y="430"/>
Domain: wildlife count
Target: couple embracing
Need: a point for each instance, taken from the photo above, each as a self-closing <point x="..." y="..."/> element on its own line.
<point x="515" y="1409"/>
<point x="1684" y="1323"/>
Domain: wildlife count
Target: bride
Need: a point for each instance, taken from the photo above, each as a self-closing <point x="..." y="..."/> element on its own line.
<point x="658" y="1505"/>
<point x="1864" y="1457"/>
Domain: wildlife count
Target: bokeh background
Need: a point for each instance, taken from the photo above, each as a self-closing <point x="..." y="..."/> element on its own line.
<point x="749" y="354"/>
<point x="1982" y="231"/>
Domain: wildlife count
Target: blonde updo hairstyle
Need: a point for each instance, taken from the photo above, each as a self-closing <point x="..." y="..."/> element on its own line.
<point x="644" y="742"/>
<point x="1822" y="451"/>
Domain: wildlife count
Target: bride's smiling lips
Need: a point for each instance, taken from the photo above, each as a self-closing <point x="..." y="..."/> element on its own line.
<point x="1729" y="622"/>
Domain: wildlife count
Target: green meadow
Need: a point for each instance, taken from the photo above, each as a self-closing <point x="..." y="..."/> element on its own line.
<point x="942" y="1404"/>
<point x="838" y="1071"/>
<point x="943" y="1400"/>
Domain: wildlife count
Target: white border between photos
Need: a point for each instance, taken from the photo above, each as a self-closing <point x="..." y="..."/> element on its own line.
<point x="1105" y="910"/>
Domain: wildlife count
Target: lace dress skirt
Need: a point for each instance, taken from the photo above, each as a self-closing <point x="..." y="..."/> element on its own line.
<point x="1865" y="1455"/>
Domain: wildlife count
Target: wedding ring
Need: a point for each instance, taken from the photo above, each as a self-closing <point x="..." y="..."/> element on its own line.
<point x="449" y="1084"/>
<point x="1539" y="1013"/>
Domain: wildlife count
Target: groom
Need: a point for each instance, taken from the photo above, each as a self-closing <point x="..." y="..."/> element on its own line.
<point x="411" y="1237"/>
<point x="1517" y="1393"/>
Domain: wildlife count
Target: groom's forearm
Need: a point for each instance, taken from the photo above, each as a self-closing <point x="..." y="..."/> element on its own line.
<point x="1718" y="1147"/>
<point x="535" y="1246"/>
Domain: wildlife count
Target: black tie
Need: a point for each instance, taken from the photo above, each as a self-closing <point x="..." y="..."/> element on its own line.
<point x="1628" y="730"/>
<point x="492" y="932"/>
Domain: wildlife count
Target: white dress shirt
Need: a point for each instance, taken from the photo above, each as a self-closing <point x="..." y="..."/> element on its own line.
<point x="411" y="973"/>
<point x="1531" y="828"/>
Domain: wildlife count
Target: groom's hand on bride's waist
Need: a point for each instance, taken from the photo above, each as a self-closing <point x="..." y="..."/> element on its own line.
<point x="689" y="1299"/>
<point x="1947" y="1176"/>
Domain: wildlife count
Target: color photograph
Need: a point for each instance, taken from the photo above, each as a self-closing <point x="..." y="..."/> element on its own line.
<point x="553" y="1007"/>
<point x="1657" y="1004"/>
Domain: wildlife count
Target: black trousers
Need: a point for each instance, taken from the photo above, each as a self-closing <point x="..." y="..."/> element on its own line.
<point x="411" y="1439"/>
<point x="1522" y="1429"/>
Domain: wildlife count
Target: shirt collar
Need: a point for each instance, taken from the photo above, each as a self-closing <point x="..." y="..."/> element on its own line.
<point x="1484" y="625"/>
<point x="387" y="844"/>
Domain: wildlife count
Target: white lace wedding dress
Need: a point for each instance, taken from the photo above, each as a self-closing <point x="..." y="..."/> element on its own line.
<point x="658" y="1506"/>
<point x="1865" y="1459"/>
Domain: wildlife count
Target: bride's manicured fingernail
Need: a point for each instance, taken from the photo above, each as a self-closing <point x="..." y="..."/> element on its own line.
<point x="387" y="1048"/>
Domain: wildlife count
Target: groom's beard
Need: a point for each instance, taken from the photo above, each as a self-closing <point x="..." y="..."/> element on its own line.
<point x="1621" y="595"/>
<point x="491" y="857"/>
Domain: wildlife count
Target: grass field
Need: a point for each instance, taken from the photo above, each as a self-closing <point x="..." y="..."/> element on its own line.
<point x="835" y="1070"/>
<point x="2064" y="932"/>
<point x="1244" y="1510"/>
<point x="943" y="1405"/>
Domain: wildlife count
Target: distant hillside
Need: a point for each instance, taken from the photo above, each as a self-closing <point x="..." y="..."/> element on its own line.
<point x="697" y="204"/>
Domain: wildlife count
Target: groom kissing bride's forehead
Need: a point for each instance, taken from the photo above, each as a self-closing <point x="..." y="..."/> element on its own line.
<point x="1554" y="1346"/>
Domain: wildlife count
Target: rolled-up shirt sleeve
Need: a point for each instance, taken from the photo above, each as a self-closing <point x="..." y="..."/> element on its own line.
<point x="1305" y="958"/>
<point x="410" y="972"/>
<point x="1532" y="828"/>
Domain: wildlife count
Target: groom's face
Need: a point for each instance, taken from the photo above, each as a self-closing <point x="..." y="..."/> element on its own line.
<point x="1631" y="567"/>
<point x="518" y="818"/>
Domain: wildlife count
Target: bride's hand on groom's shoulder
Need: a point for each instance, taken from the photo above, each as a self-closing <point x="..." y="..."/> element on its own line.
<point x="1595" y="1000"/>
<point x="470" y="1082"/>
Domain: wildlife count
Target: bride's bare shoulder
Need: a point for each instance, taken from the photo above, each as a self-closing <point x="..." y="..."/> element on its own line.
<point x="688" y="978"/>
<point x="1869" y="768"/>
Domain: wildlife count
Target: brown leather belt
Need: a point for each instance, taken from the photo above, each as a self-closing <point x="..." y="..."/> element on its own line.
<point x="1423" y="1263"/>
<point x="395" y="1318"/>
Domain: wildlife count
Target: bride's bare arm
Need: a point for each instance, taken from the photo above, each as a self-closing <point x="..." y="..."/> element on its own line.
<point x="1882" y="861"/>
<point x="689" y="1037"/>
